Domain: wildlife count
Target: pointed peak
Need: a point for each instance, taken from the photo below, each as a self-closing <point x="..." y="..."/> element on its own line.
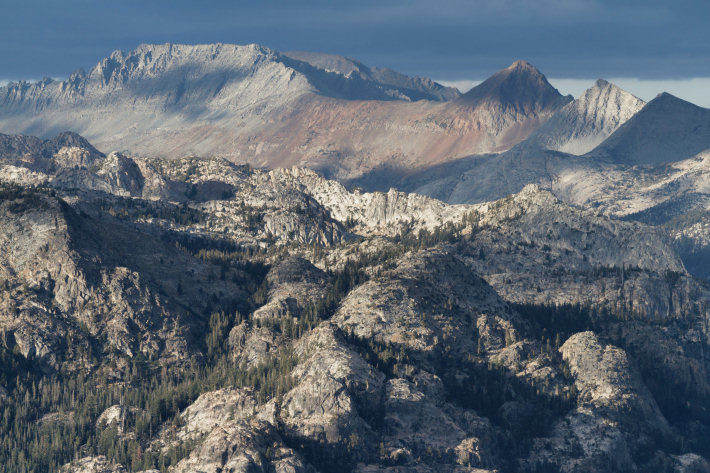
<point x="664" y="99"/>
<point x="604" y="88"/>
<point x="521" y="86"/>
<point x="603" y="84"/>
<point x="522" y="66"/>
<point x="666" y="129"/>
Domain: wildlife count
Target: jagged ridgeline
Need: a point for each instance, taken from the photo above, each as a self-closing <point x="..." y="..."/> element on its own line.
<point x="195" y="315"/>
<point x="253" y="104"/>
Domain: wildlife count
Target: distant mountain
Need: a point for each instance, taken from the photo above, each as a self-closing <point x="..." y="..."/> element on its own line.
<point x="396" y="85"/>
<point x="575" y="129"/>
<point x="229" y="74"/>
<point x="520" y="87"/>
<point x="176" y="86"/>
<point x="251" y="104"/>
<point x="667" y="129"/>
<point x="584" y="123"/>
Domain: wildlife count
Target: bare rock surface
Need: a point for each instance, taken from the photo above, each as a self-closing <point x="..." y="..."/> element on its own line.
<point x="240" y="446"/>
<point x="94" y="465"/>
<point x="332" y="384"/>
<point x="605" y="380"/>
<point x="604" y="429"/>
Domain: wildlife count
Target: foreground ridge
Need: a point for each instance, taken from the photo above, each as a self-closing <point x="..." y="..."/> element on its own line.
<point x="196" y="315"/>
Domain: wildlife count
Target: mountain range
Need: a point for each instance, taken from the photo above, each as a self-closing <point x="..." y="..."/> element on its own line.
<point x="252" y="104"/>
<point x="369" y="126"/>
<point x="226" y="258"/>
<point x="375" y="128"/>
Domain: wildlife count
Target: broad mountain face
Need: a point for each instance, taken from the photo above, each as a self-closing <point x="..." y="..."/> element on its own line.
<point x="252" y="104"/>
<point x="667" y="129"/>
<point x="192" y="314"/>
<point x="183" y="75"/>
<point x="583" y="124"/>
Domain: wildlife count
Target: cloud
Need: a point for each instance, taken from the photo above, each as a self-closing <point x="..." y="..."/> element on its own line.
<point x="450" y="38"/>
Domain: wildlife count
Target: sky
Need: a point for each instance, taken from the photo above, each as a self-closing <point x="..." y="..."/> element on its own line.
<point x="646" y="44"/>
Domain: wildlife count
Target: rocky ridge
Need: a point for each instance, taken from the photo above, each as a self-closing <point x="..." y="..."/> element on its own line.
<point x="401" y="87"/>
<point x="334" y="330"/>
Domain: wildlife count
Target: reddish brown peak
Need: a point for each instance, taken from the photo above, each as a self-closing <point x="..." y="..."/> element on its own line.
<point x="520" y="86"/>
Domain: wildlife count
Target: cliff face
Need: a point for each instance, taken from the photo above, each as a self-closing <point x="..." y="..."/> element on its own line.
<point x="194" y="315"/>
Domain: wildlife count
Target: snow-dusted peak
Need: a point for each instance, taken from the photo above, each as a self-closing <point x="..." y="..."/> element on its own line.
<point x="190" y="80"/>
<point x="610" y="99"/>
<point x="207" y="80"/>
<point x="584" y="123"/>
<point x="324" y="74"/>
